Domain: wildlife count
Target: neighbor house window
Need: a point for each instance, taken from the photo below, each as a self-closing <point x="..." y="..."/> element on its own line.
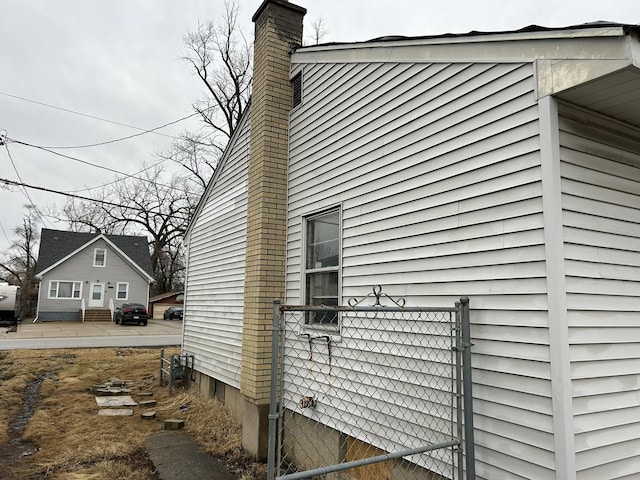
<point x="122" y="291"/>
<point x="65" y="289"/>
<point x="322" y="265"/>
<point x="99" y="257"/>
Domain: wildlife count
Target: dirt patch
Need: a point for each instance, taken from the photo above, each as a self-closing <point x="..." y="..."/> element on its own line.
<point x="13" y="453"/>
<point x="50" y="427"/>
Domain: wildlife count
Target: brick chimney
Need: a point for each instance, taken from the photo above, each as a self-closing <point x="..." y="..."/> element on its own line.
<point x="278" y="28"/>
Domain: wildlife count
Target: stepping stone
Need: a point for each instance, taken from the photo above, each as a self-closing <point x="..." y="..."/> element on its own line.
<point x="147" y="403"/>
<point x="115" y="412"/>
<point x="119" y="401"/>
<point x="145" y="394"/>
<point x="148" y="415"/>
<point x="173" y="424"/>
<point x="116" y="382"/>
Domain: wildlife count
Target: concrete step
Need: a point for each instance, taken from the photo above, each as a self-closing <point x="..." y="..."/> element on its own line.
<point x="95" y="315"/>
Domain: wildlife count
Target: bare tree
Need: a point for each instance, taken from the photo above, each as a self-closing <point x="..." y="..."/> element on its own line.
<point x="147" y="205"/>
<point x="89" y="216"/>
<point x="196" y="154"/>
<point x="18" y="264"/>
<point x="220" y="55"/>
<point x="319" y="30"/>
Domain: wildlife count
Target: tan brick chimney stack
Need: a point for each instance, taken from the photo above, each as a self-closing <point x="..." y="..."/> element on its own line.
<point x="278" y="28"/>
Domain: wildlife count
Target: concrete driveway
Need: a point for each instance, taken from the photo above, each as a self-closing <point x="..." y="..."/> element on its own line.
<point x="91" y="334"/>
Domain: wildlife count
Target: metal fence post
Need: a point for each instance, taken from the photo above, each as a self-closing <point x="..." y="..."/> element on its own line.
<point x="458" y="337"/>
<point x="161" y="367"/>
<point x="468" y="393"/>
<point x="273" y="407"/>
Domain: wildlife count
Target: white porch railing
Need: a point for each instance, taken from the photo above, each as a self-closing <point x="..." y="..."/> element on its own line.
<point x="112" y="308"/>
<point x="83" y="307"/>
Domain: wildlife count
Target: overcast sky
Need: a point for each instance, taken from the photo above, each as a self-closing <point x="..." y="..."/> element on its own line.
<point x="118" y="60"/>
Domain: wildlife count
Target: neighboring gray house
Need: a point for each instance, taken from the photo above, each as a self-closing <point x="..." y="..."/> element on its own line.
<point x="500" y="166"/>
<point x="85" y="275"/>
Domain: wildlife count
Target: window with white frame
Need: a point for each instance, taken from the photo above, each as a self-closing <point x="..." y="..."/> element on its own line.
<point x="322" y="265"/>
<point x="99" y="257"/>
<point x="122" y="291"/>
<point x="59" y="289"/>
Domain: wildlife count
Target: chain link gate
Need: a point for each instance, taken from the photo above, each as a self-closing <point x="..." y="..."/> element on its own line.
<point x="370" y="392"/>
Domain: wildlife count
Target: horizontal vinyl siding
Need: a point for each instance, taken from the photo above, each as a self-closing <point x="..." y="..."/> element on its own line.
<point x="215" y="276"/>
<point x="437" y="170"/>
<point x="601" y="215"/>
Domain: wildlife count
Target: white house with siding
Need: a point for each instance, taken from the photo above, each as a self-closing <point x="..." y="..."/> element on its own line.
<point x="500" y="166"/>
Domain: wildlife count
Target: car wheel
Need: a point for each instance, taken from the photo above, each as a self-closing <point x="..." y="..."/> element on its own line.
<point x="117" y="321"/>
<point x="144" y="323"/>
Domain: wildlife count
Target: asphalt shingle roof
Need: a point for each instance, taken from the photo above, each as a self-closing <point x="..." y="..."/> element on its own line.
<point x="57" y="244"/>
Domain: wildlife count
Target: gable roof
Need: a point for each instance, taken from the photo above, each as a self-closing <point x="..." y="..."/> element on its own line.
<point x="58" y="245"/>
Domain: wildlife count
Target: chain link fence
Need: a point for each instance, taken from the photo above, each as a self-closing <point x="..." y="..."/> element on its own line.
<point x="367" y="393"/>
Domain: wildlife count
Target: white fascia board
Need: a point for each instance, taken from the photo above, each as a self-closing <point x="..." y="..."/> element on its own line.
<point x="555" y="76"/>
<point x="587" y="44"/>
<point x="611" y="31"/>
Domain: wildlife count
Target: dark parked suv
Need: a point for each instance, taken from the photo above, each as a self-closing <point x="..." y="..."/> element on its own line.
<point x="131" y="313"/>
<point x="172" y="312"/>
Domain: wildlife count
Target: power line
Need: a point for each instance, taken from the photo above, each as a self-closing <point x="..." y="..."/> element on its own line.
<point x="5" y="233"/>
<point x="116" y="180"/>
<point x="81" y="114"/>
<point x="26" y="193"/>
<point x="75" y="159"/>
<point x="6" y="181"/>
<point x="152" y="130"/>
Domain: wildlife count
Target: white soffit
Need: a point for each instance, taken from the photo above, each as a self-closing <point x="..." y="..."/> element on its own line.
<point x="616" y="95"/>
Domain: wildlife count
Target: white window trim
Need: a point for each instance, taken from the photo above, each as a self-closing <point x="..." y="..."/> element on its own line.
<point x="104" y="258"/>
<point x="126" y="297"/>
<point x="73" y="289"/>
<point x="303" y="277"/>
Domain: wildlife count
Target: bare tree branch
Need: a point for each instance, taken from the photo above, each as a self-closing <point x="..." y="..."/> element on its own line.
<point x="19" y="262"/>
<point x="319" y="30"/>
<point x="161" y="210"/>
<point x="220" y="56"/>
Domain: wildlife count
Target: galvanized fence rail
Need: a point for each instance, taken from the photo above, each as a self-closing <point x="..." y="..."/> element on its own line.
<point x="374" y="392"/>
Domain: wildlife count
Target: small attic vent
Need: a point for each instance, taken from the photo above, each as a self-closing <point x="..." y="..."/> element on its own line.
<point x="296" y="84"/>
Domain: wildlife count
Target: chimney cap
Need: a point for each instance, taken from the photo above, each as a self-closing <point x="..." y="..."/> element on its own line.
<point x="283" y="3"/>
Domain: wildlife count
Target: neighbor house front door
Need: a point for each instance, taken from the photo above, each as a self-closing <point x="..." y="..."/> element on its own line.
<point x="97" y="295"/>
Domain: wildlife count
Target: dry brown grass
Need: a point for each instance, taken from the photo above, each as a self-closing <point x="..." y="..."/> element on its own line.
<point x="74" y="443"/>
